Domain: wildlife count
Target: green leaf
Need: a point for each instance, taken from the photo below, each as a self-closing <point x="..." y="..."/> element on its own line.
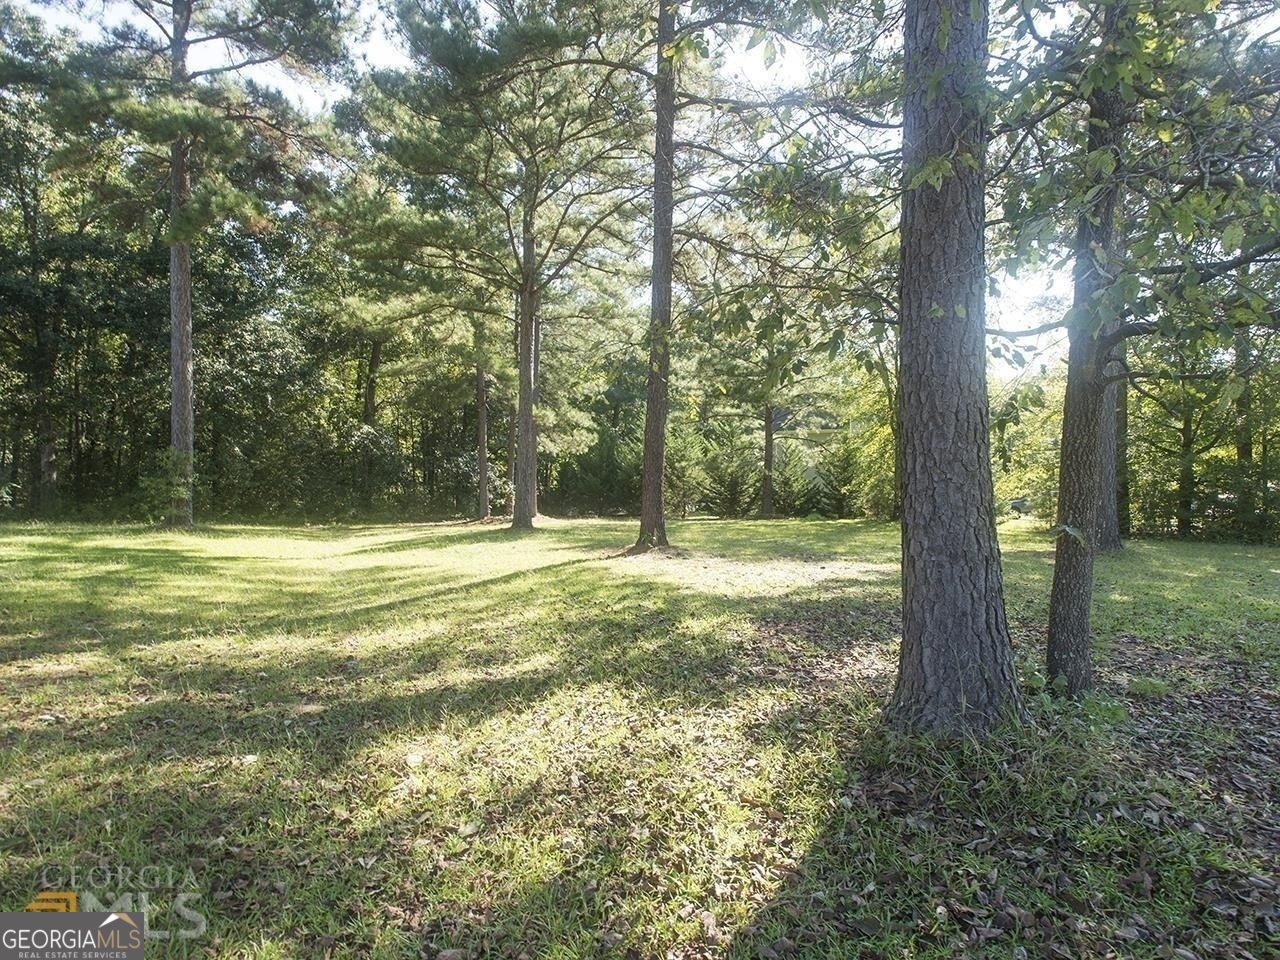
<point x="1233" y="237"/>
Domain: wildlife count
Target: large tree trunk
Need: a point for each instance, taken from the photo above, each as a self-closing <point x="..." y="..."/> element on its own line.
<point x="1070" y="655"/>
<point x="956" y="672"/>
<point x="525" y="496"/>
<point x="653" y="524"/>
<point x="482" y="443"/>
<point x="766" y="475"/>
<point x="182" y="424"/>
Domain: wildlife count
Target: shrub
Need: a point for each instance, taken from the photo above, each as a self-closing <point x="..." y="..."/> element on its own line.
<point x="794" y="492"/>
<point x="733" y="473"/>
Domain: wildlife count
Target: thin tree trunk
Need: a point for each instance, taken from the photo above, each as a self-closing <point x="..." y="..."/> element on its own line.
<point x="369" y="417"/>
<point x="181" y="377"/>
<point x="766" y="475"/>
<point x="1246" y="501"/>
<point x="1124" y="508"/>
<point x="18" y="459"/>
<point x="1070" y="654"/>
<point x="1070" y="658"/>
<point x="1264" y="480"/>
<point x="422" y="450"/>
<point x="429" y="457"/>
<point x="482" y="443"/>
<point x="369" y="411"/>
<point x="44" y="470"/>
<point x="1186" y="471"/>
<point x="653" y="525"/>
<point x="886" y="379"/>
<point x="1106" y="532"/>
<point x="508" y="505"/>
<point x="525" y="506"/>
<point x="955" y="673"/>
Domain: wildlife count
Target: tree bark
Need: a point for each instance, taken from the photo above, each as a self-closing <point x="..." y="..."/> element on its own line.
<point x="1070" y="654"/>
<point x="1070" y="657"/>
<point x="513" y="418"/>
<point x="1124" y="508"/>
<point x="525" y="496"/>
<point x="181" y="376"/>
<point x="766" y="475"/>
<point x="653" y="524"/>
<point x="482" y="443"/>
<point x="1106" y="532"/>
<point x="955" y="674"/>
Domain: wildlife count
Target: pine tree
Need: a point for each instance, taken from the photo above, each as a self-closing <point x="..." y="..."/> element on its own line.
<point x="184" y="59"/>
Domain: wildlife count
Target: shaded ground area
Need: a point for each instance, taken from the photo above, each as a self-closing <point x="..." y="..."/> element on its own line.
<point x="406" y="741"/>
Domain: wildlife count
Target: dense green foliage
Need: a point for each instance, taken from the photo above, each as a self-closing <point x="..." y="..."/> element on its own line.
<point x="356" y="267"/>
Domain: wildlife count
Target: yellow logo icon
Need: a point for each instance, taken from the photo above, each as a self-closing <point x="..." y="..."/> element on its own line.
<point x="53" y="901"/>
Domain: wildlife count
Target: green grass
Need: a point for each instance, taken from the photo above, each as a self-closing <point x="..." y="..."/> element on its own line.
<point x="399" y="741"/>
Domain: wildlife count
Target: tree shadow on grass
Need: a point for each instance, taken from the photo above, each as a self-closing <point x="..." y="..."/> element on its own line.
<point x="215" y="759"/>
<point x="1054" y="840"/>
<point x="596" y="722"/>
<point x="630" y="635"/>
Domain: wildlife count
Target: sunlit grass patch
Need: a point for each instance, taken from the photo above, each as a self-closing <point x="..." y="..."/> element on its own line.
<point x="394" y="741"/>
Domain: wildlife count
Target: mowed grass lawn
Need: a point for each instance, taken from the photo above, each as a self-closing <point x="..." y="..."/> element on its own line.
<point x="446" y="740"/>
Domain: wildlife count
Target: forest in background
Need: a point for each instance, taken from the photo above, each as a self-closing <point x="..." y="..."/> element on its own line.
<point x="357" y="272"/>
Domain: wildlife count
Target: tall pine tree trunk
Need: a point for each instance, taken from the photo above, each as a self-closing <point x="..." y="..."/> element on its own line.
<point x="1070" y="653"/>
<point x="955" y="672"/>
<point x="525" y="495"/>
<point x="653" y="524"/>
<point x="513" y="420"/>
<point x="182" y="424"/>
